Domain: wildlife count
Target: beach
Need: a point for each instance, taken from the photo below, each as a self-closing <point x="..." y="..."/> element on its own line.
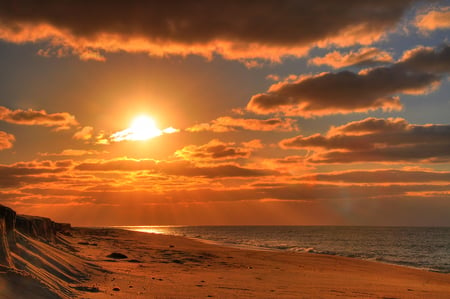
<point x="160" y="266"/>
<point x="40" y="258"/>
<point x="127" y="264"/>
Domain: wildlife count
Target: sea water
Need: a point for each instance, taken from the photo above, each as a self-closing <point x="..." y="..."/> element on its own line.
<point x="419" y="247"/>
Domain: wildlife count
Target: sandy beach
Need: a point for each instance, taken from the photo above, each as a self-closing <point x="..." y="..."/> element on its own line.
<point x="160" y="266"/>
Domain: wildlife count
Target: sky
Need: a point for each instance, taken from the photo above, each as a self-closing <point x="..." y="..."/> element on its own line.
<point x="226" y="113"/>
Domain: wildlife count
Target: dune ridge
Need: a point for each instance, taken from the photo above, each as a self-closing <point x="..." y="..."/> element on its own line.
<point x="35" y="260"/>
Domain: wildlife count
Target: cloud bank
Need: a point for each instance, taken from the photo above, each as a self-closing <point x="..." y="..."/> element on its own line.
<point x="61" y="120"/>
<point x="418" y="72"/>
<point x="377" y="140"/>
<point x="266" y="29"/>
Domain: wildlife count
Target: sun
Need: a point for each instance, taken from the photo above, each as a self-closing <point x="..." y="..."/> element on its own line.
<point x="143" y="127"/>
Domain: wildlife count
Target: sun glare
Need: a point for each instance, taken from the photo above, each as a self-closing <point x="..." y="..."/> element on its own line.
<point x="142" y="128"/>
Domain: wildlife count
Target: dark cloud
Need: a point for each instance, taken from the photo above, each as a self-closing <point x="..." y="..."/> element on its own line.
<point x="426" y="59"/>
<point x="371" y="125"/>
<point x="420" y="71"/>
<point x="235" y="29"/>
<point x="314" y="191"/>
<point x="118" y="165"/>
<point x="6" y="140"/>
<point x="177" y="168"/>
<point x="377" y="140"/>
<point x="62" y="120"/>
<point x="29" y="172"/>
<point x="214" y="150"/>
<point x="219" y="171"/>
<point x="381" y="176"/>
<point x="230" y="124"/>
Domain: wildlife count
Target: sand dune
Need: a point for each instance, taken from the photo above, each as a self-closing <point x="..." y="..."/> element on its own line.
<point x="101" y="263"/>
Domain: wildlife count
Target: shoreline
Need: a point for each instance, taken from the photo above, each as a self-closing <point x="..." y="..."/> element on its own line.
<point x="378" y="259"/>
<point x="191" y="268"/>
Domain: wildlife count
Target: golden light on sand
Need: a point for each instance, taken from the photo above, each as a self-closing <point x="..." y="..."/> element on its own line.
<point x="142" y="128"/>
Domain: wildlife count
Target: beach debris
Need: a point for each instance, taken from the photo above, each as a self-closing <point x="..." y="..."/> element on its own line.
<point x="117" y="255"/>
<point x="134" y="261"/>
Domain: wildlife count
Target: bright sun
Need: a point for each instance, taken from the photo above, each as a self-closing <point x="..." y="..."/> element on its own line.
<point x="143" y="127"/>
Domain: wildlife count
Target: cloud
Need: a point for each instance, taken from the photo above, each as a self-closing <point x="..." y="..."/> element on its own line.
<point x="386" y="176"/>
<point x="74" y="152"/>
<point x="363" y="57"/>
<point x="214" y="150"/>
<point x="61" y="120"/>
<point x="434" y="19"/>
<point x="426" y="59"/>
<point x="29" y="172"/>
<point x="176" y="168"/>
<point x="118" y="165"/>
<point x="6" y="140"/>
<point x="230" y="124"/>
<point x="85" y="133"/>
<point x="266" y="29"/>
<point x="370" y="125"/>
<point x="377" y="140"/>
<point x="420" y="71"/>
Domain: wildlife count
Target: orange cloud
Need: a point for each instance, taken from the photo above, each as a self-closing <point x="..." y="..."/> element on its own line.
<point x="234" y="29"/>
<point x="6" y="140"/>
<point x="363" y="57"/>
<point x="419" y="72"/>
<point x="74" y="152"/>
<point x="377" y="140"/>
<point x="370" y="125"/>
<point x="434" y="19"/>
<point x="62" y="120"/>
<point x="385" y="176"/>
<point x="29" y="172"/>
<point x="229" y="124"/>
<point x="175" y="168"/>
<point x="84" y="133"/>
<point x="214" y="150"/>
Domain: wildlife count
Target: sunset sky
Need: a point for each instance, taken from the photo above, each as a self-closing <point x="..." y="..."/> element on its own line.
<point x="232" y="112"/>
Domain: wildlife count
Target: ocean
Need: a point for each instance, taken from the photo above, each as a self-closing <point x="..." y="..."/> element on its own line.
<point x="419" y="247"/>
